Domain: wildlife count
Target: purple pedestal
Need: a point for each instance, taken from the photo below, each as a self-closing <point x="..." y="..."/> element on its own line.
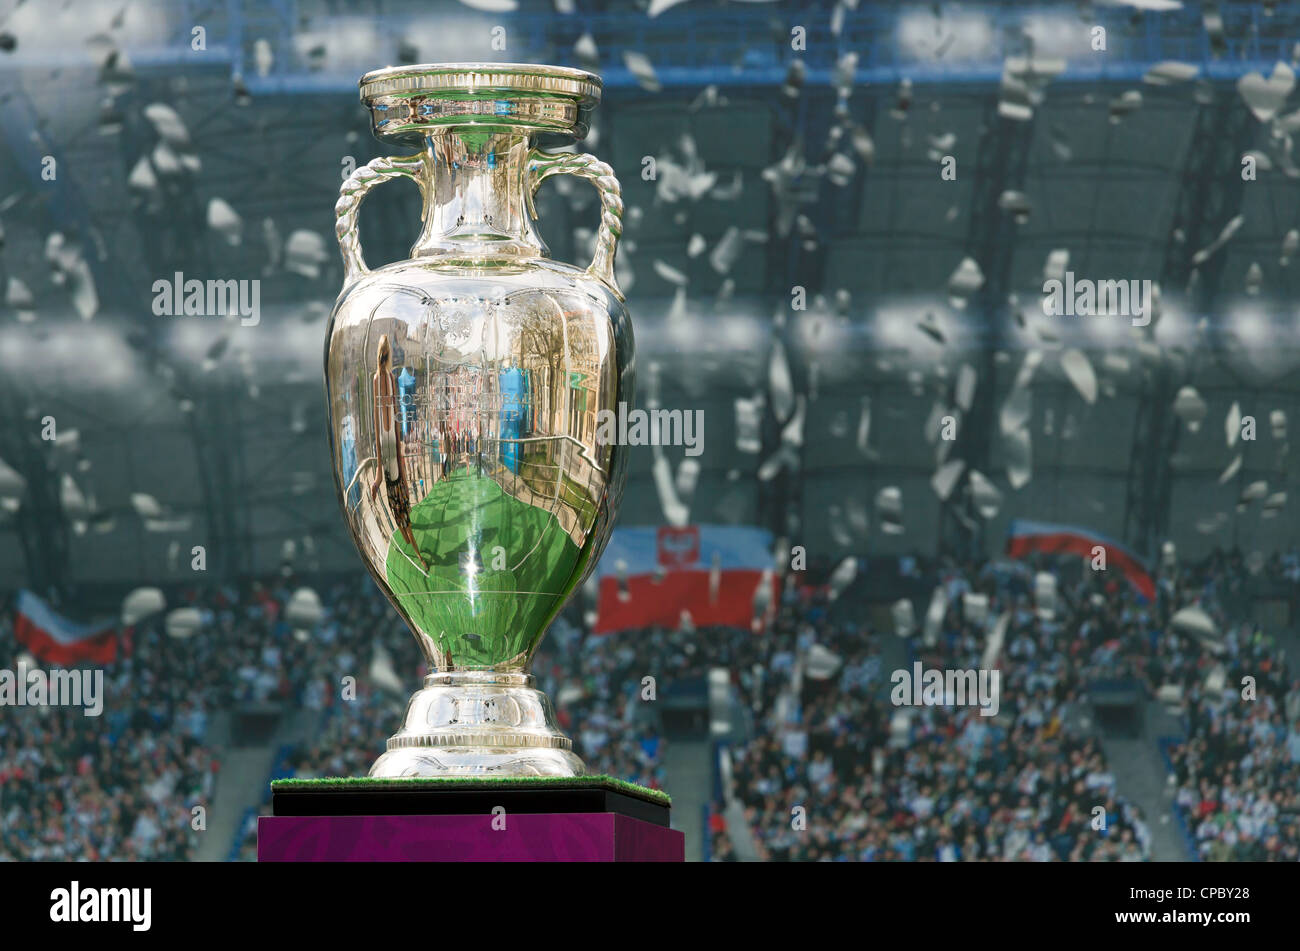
<point x="527" y="837"/>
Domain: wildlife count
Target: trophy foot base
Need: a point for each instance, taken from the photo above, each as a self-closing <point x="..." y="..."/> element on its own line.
<point x="479" y="723"/>
<point x="449" y="762"/>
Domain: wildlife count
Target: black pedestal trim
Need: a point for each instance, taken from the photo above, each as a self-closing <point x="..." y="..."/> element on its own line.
<point x="432" y="798"/>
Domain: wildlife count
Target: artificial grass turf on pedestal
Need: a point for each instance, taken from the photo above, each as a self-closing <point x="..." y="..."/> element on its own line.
<point x="367" y="783"/>
<point x="467" y="795"/>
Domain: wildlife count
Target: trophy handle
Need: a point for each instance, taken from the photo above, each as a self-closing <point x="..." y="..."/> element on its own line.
<point x="355" y="188"/>
<point x="542" y="165"/>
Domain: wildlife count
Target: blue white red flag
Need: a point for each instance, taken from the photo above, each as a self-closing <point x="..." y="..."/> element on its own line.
<point x="54" y="639"/>
<point x="1024" y="536"/>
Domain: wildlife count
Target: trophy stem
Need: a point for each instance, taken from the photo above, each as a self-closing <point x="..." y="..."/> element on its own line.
<point x="479" y="723"/>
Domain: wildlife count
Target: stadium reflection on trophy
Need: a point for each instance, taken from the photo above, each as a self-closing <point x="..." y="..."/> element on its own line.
<point x="464" y="385"/>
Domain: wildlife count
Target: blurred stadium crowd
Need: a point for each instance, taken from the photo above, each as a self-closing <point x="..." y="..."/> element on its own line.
<point x="1238" y="772"/>
<point x="949" y="785"/>
<point x="121" y="786"/>
<point x="832" y="771"/>
<point x="946" y="783"/>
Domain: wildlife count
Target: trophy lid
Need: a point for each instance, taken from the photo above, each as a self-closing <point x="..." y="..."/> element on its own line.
<point x="407" y="103"/>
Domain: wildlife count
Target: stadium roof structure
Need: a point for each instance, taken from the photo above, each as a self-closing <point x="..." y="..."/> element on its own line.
<point x="924" y="294"/>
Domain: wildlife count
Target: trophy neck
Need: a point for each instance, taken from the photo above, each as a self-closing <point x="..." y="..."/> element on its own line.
<point x="478" y="678"/>
<point x="475" y="207"/>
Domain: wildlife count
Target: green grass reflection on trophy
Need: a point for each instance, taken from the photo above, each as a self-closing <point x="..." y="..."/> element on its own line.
<point x="493" y="614"/>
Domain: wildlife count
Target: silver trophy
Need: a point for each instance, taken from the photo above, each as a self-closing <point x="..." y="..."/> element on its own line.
<point x="464" y="386"/>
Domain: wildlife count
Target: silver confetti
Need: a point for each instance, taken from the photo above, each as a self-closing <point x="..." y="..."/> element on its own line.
<point x="1233" y="468"/>
<point x="585" y="51"/>
<point x="1193" y="622"/>
<point x="964" y="392"/>
<point x="984" y="495"/>
<point x="780" y="383"/>
<point x="1254" y="279"/>
<point x="1265" y="96"/>
<point x="639" y="65"/>
<point x="934" y="616"/>
<point x="904" y="616"/>
<point x="669" y="273"/>
<point x="1045" y="599"/>
<point x="727" y="250"/>
<point x="1017" y="448"/>
<point x="974" y="607"/>
<point x="304" y="253"/>
<point x="1016" y="204"/>
<point x="1290" y="244"/>
<point x="1254" y="491"/>
<point x="225" y="221"/>
<point x="168" y="124"/>
<point x="889" y="510"/>
<point x="1232" y="424"/>
<point x="1125" y="104"/>
<point x="1078" y="369"/>
<point x="676" y="513"/>
<point x="1058" y="260"/>
<point x="1230" y="229"/>
<point x="945" y="478"/>
<point x="1190" y="407"/>
<point x="842" y="577"/>
<point x="1168" y="72"/>
<point x="864" y="428"/>
<point x="964" y="281"/>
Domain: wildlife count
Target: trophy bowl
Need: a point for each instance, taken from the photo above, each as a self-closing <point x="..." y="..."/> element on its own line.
<point x="464" y="387"/>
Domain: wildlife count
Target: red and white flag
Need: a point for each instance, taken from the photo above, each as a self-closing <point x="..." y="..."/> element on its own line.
<point x="650" y="576"/>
